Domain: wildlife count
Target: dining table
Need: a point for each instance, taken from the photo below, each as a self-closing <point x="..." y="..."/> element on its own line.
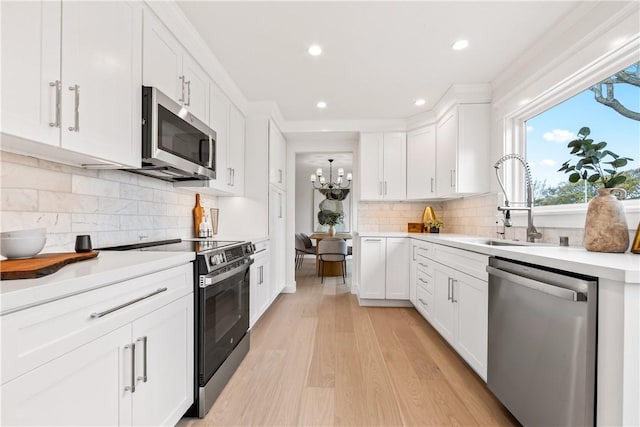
<point x="330" y="268"/>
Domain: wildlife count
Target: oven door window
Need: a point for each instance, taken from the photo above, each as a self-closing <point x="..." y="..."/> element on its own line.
<point x="224" y="317"/>
<point x="178" y="137"/>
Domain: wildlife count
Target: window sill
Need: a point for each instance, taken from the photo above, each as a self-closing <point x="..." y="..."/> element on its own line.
<point x="572" y="216"/>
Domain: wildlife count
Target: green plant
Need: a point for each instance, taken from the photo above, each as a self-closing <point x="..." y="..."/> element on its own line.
<point x="434" y="223"/>
<point x="591" y="165"/>
<point x="333" y="218"/>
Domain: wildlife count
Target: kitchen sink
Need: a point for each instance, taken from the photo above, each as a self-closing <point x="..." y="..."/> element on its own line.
<point x="504" y="243"/>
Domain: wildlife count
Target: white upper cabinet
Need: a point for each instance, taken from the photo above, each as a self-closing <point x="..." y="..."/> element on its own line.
<point x="31" y="70"/>
<point x="383" y="164"/>
<point x="462" y="151"/>
<point x="71" y="77"/>
<point x="277" y="156"/>
<point x="236" y="150"/>
<point x="421" y="163"/>
<point x="219" y="122"/>
<point x="101" y="71"/>
<point x="168" y="67"/>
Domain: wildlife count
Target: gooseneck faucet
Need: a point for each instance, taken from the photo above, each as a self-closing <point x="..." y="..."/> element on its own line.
<point x="532" y="233"/>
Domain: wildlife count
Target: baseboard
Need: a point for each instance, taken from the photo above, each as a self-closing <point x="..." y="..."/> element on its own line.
<point x="364" y="302"/>
<point x="289" y="289"/>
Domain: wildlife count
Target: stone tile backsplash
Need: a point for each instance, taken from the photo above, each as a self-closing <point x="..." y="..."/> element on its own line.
<point x="475" y="216"/>
<point x="391" y="216"/>
<point x="114" y="207"/>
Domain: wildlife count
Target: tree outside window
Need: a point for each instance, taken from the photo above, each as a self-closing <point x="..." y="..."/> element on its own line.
<point x="611" y="109"/>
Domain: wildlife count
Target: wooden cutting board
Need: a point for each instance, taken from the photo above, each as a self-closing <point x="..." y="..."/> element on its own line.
<point x="40" y="265"/>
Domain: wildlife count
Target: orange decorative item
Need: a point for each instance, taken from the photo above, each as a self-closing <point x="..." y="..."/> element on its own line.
<point x="198" y="213"/>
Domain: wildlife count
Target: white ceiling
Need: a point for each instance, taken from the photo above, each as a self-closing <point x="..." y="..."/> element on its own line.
<point x="378" y="56"/>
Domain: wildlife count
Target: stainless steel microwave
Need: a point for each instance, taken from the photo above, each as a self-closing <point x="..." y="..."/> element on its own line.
<point x="176" y="146"/>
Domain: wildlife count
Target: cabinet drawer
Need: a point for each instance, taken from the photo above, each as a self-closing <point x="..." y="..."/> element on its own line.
<point x="468" y="262"/>
<point x="424" y="302"/>
<point x="424" y="265"/>
<point x="424" y="249"/>
<point x="34" y="336"/>
<point x="261" y="246"/>
<point x="425" y="281"/>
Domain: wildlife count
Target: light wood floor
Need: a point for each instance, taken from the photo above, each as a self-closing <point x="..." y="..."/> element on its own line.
<point x="319" y="359"/>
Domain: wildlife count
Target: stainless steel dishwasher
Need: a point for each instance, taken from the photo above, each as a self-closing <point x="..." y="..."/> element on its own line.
<point x="542" y="343"/>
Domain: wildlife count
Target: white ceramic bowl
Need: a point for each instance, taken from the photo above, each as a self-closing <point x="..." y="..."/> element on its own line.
<point x="21" y="247"/>
<point x="33" y="232"/>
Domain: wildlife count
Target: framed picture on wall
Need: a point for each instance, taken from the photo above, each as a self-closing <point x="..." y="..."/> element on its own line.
<point x="319" y="198"/>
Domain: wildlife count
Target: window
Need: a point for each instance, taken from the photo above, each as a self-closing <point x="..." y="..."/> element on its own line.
<point x="611" y="109"/>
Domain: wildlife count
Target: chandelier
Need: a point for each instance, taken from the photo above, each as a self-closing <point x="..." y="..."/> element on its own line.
<point x="337" y="190"/>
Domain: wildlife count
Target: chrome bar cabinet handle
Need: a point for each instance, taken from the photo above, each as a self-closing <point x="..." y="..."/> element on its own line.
<point x="58" y="88"/>
<point x="132" y="387"/>
<point x="423" y="302"/>
<point x="76" y="112"/>
<point x="116" y="308"/>
<point x="432" y="185"/>
<point x="188" y="84"/>
<point x="181" y="78"/>
<point x="143" y="377"/>
<point x="448" y="288"/>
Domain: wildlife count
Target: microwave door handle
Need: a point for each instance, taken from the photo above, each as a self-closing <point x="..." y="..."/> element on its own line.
<point x="211" y="142"/>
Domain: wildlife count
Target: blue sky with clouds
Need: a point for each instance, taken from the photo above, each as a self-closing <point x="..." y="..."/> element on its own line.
<point x="549" y="133"/>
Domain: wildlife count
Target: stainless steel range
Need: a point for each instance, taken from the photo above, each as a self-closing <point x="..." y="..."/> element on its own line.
<point x="221" y="292"/>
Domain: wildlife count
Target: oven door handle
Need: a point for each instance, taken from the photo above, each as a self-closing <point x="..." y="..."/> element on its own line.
<point x="206" y="281"/>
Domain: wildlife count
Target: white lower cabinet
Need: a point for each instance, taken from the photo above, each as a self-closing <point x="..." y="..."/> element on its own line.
<point x="259" y="293"/>
<point x="454" y="302"/>
<point x="277" y="245"/>
<point x="83" y="387"/>
<point x="132" y="366"/>
<point x="384" y="268"/>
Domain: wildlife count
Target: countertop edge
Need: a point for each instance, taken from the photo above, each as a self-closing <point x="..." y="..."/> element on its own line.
<point x="618" y="267"/>
<point x="108" y="268"/>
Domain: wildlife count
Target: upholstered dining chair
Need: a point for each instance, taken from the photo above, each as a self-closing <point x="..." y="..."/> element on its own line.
<point x="332" y="250"/>
<point x="302" y="250"/>
<point x="308" y="243"/>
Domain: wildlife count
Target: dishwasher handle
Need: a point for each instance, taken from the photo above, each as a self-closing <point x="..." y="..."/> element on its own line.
<point x="536" y="285"/>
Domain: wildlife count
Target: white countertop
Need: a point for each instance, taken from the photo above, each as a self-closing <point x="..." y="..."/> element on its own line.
<point x="109" y="267"/>
<point x="619" y="267"/>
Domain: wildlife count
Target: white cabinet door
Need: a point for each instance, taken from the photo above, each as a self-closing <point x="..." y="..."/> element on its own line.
<point x="394" y="156"/>
<point x="421" y="163"/>
<point x="219" y="122"/>
<point x="102" y="76"/>
<point x="471" y="297"/>
<point x="444" y="312"/>
<point x="84" y="387"/>
<point x="31" y="69"/>
<point x="236" y="150"/>
<point x="277" y="199"/>
<point x="397" y="268"/>
<point x="164" y="364"/>
<point x="446" y="147"/>
<point x="162" y="62"/>
<point x="413" y="264"/>
<point x="259" y="293"/>
<point x="277" y="156"/>
<point x="373" y="267"/>
<point x="462" y="151"/>
<point x="196" y="87"/>
<point x="371" y="166"/>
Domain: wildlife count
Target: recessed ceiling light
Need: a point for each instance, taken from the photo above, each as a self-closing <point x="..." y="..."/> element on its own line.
<point x="420" y="102"/>
<point x="321" y="104"/>
<point x="314" y="50"/>
<point x="460" y="44"/>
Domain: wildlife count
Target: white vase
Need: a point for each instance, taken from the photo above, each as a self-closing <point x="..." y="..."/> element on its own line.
<point x="332" y="231"/>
